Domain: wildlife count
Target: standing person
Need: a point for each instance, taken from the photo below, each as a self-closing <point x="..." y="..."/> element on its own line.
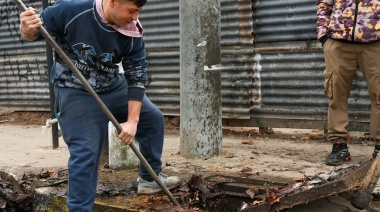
<point x="97" y="35"/>
<point x="349" y="31"/>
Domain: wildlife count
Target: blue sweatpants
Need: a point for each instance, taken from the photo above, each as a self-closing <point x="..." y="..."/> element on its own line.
<point x="84" y="128"/>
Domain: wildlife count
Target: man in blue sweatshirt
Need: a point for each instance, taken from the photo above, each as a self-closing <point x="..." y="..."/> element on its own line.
<point x="97" y="35"/>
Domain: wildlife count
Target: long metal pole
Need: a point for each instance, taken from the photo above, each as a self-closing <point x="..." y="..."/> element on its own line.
<point x="88" y="87"/>
<point x="49" y="55"/>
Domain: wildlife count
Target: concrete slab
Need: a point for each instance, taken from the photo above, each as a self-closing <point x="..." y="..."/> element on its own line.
<point x="121" y="156"/>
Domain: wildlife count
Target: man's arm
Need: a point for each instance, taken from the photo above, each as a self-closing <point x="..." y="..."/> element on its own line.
<point x="324" y="9"/>
<point x="29" y="22"/>
<point x="135" y="66"/>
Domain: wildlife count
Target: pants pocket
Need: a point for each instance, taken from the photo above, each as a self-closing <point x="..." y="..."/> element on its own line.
<point x="328" y="84"/>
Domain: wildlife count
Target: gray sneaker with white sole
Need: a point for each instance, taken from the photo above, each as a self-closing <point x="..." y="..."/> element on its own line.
<point x="146" y="187"/>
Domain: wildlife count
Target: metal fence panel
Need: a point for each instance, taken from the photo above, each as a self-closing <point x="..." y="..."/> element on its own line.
<point x="23" y="68"/>
<point x="272" y="65"/>
<point x="291" y="64"/>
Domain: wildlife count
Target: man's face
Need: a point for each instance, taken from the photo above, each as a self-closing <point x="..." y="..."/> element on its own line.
<point x="124" y="13"/>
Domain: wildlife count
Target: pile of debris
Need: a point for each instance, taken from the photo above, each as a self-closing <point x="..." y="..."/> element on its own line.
<point x="218" y="193"/>
<point x="17" y="195"/>
<point x="214" y="193"/>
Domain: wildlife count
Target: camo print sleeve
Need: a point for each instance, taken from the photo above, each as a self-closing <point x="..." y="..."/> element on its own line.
<point x="324" y="10"/>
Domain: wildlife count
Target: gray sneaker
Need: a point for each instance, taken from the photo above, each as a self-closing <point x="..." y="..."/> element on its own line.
<point x="146" y="187"/>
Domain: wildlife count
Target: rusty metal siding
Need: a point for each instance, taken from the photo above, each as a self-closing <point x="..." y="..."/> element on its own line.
<point x="240" y="85"/>
<point x="272" y="65"/>
<point x="160" y="20"/>
<point x="284" y="21"/>
<point x="291" y="64"/>
<point x="162" y="44"/>
<point x="161" y="35"/>
<point x="23" y="68"/>
<point x="291" y="85"/>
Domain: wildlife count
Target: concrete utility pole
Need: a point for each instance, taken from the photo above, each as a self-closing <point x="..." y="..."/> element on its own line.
<point x="201" y="111"/>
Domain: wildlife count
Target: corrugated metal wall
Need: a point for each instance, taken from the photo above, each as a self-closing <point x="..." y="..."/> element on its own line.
<point x="272" y="64"/>
<point x="239" y="82"/>
<point x="23" y="68"/>
<point x="290" y="63"/>
<point x="160" y="20"/>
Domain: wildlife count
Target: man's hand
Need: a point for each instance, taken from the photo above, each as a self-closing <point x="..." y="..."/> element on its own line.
<point x="29" y="22"/>
<point x="129" y="128"/>
<point x="128" y="132"/>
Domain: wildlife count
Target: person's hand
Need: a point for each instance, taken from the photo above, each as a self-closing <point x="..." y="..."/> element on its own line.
<point x="128" y="132"/>
<point x="29" y="22"/>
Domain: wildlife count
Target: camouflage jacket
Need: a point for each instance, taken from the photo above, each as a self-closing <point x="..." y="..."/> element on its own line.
<point x="350" y="20"/>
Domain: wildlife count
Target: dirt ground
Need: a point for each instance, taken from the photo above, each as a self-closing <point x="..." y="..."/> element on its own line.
<point x="10" y="117"/>
<point x="273" y="155"/>
<point x="281" y="154"/>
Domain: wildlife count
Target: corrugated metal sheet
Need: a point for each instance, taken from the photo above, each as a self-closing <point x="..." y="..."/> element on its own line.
<point x="161" y="35"/>
<point x="284" y="21"/>
<point x="240" y="85"/>
<point x="290" y="63"/>
<point x="23" y="68"/>
<point x="272" y="64"/>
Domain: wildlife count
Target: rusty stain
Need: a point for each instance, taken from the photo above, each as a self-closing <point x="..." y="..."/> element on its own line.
<point x="244" y="12"/>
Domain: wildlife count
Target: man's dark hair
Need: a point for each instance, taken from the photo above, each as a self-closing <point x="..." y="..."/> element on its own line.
<point x="138" y="3"/>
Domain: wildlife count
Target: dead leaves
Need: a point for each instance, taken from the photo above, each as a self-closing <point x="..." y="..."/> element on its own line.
<point x="229" y="155"/>
<point x="250" y="142"/>
<point x="252" y="191"/>
<point x="246" y="169"/>
<point x="17" y="195"/>
<point x="214" y="168"/>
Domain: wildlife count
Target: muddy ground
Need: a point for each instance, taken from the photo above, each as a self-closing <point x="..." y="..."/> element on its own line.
<point x="271" y="155"/>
